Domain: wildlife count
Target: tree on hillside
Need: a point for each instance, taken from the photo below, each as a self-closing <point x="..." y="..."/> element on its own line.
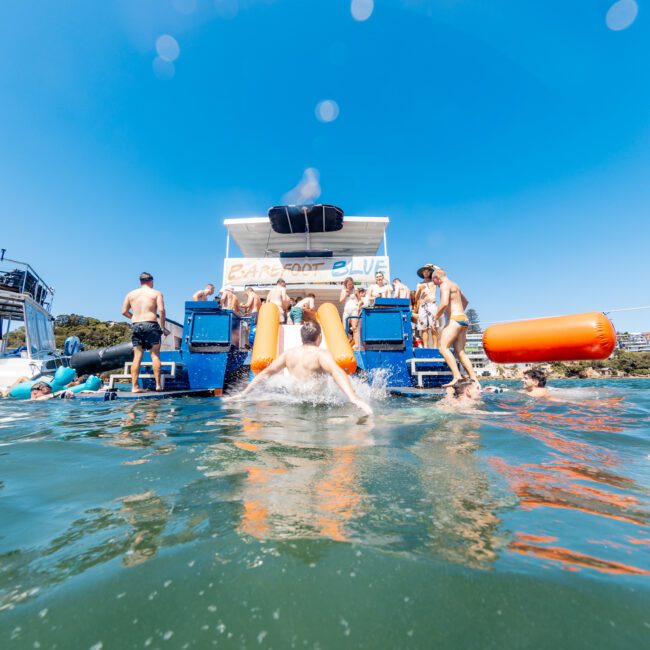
<point x="474" y="322"/>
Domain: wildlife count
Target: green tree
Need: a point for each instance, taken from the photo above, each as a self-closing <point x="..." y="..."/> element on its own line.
<point x="474" y="322"/>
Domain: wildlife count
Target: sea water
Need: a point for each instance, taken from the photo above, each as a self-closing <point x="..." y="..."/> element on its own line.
<point x="291" y="523"/>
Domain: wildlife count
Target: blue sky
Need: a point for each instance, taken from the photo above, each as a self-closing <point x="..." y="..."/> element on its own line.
<point x="509" y="142"/>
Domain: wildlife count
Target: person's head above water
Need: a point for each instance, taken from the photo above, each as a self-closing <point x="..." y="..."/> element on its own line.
<point x="466" y="389"/>
<point x="310" y="333"/>
<point x="146" y="278"/>
<point x="534" y="378"/>
<point x="40" y="389"/>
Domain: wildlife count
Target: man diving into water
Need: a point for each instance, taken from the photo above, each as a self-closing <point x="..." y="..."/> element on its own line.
<point x="453" y="303"/>
<point x="306" y="362"/>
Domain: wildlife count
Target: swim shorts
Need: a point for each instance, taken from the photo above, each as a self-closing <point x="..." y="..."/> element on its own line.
<point x="426" y="316"/>
<point x="461" y="319"/>
<point x="146" y="334"/>
<point x="296" y="315"/>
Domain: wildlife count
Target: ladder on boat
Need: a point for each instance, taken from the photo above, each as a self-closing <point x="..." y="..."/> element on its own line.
<point x="420" y="374"/>
<point x="172" y="365"/>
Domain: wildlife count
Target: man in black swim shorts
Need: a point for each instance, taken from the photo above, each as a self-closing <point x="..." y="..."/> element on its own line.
<point x="144" y="306"/>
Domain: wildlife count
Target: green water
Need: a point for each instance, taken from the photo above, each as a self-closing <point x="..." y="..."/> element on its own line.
<point x="190" y="524"/>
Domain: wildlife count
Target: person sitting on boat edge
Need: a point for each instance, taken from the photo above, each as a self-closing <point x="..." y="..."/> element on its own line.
<point x="306" y="362"/>
<point x="202" y="294"/>
<point x="453" y="303"/>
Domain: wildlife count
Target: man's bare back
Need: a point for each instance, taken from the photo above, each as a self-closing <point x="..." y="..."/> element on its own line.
<point x="143" y="304"/>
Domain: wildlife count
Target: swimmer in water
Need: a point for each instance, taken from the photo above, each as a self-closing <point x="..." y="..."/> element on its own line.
<point x="453" y="303"/>
<point x="463" y="394"/>
<point x="534" y="381"/>
<point x="306" y="362"/>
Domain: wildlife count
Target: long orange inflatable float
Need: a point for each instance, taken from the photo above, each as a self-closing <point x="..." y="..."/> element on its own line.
<point x="335" y="338"/>
<point x="265" y="346"/>
<point x="561" y="338"/>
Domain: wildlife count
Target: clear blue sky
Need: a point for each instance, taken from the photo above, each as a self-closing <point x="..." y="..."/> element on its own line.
<point x="507" y="141"/>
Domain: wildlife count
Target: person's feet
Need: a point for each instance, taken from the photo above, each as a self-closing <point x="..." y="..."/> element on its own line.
<point x="453" y="382"/>
<point x="137" y="389"/>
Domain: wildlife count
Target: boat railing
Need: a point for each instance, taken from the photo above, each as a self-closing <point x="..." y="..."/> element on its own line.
<point x="20" y="278"/>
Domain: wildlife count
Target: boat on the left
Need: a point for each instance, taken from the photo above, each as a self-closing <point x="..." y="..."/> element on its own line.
<point x="26" y="302"/>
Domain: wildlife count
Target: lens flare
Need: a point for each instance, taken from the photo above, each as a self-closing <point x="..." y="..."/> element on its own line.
<point x="361" y="9"/>
<point x="622" y="14"/>
<point x="327" y="110"/>
<point x="164" y="70"/>
<point x="307" y="190"/>
<point x="167" y="48"/>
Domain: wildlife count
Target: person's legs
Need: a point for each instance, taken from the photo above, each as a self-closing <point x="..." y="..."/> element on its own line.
<point x="155" y="364"/>
<point x="135" y="368"/>
<point x="426" y="338"/>
<point x="447" y="339"/>
<point x="459" y="349"/>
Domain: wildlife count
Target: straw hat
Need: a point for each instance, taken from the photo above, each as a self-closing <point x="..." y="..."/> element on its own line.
<point x="432" y="267"/>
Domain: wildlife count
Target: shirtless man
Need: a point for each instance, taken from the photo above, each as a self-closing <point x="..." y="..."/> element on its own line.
<point x="229" y="300"/>
<point x="309" y="361"/>
<point x="253" y="304"/>
<point x="278" y="296"/>
<point x="144" y="306"/>
<point x="202" y="294"/>
<point x="453" y="303"/>
<point x="425" y="299"/>
<point x="381" y="289"/>
<point x="535" y="383"/>
<point x="400" y="290"/>
<point x="307" y="307"/>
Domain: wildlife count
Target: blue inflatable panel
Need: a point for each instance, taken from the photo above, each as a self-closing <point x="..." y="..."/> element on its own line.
<point x="111" y="396"/>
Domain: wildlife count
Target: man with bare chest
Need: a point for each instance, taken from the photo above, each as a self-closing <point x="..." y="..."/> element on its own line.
<point x="144" y="307"/>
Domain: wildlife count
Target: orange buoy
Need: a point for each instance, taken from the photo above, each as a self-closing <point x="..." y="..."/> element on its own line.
<point x="335" y="338"/>
<point x="561" y="338"/>
<point x="265" y="347"/>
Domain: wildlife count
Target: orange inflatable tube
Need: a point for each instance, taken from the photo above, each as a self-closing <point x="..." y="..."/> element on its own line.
<point x="335" y="338"/>
<point x="561" y="338"/>
<point x="265" y="347"/>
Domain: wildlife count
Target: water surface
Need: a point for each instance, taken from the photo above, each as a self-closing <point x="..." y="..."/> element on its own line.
<point x="283" y="524"/>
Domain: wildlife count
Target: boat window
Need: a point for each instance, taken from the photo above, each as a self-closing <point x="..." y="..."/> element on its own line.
<point x="40" y="330"/>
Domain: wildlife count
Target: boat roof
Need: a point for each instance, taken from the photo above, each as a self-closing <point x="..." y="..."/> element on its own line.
<point x="255" y="237"/>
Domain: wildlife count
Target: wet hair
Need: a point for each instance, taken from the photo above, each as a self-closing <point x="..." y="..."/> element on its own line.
<point x="310" y="332"/>
<point x="537" y="375"/>
<point x="460" y="387"/>
<point x="281" y="282"/>
<point x="41" y="386"/>
<point x="145" y="277"/>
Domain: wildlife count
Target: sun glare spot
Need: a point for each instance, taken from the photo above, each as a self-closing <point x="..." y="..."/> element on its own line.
<point x="361" y="9"/>
<point x="327" y="110"/>
<point x="164" y="70"/>
<point x="167" y="48"/>
<point x="227" y="9"/>
<point x="622" y="14"/>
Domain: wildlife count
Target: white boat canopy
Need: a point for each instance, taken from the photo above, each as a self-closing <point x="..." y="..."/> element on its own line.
<point x="256" y="238"/>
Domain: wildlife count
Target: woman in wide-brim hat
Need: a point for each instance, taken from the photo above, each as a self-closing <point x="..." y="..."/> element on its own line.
<point x="430" y="267"/>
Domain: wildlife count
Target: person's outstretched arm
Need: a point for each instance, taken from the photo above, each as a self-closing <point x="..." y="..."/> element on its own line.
<point x="343" y="382"/>
<point x="272" y="369"/>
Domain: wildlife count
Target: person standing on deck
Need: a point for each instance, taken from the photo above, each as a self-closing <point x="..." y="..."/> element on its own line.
<point x="381" y="289"/>
<point x="253" y="304"/>
<point x="425" y="303"/>
<point x="278" y="296"/>
<point x="145" y="307"/>
<point x="400" y="290"/>
<point x="453" y="303"/>
<point x="229" y="299"/>
<point x="202" y="294"/>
